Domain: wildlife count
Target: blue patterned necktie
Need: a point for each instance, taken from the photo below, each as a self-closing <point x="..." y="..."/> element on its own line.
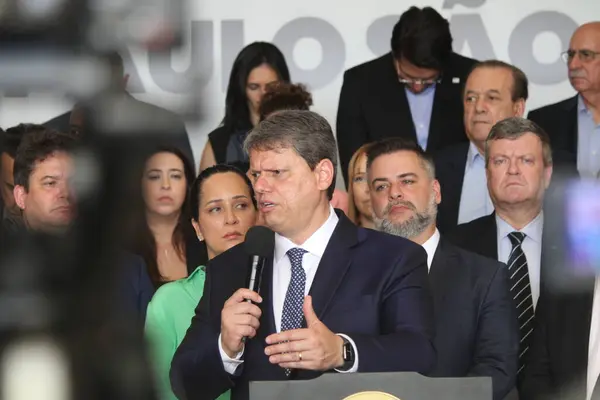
<point x="291" y="317"/>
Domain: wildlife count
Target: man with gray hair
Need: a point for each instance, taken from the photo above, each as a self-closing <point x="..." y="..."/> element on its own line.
<point x="518" y="162"/>
<point x="319" y="309"/>
<point x="475" y="321"/>
<point x="573" y="125"/>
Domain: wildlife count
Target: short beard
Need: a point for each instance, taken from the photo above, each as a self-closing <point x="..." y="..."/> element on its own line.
<point x="413" y="226"/>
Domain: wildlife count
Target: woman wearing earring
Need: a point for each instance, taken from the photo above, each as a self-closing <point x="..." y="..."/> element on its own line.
<point x="223" y="209"/>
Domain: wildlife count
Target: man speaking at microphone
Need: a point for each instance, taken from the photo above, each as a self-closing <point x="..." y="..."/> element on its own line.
<point x="334" y="297"/>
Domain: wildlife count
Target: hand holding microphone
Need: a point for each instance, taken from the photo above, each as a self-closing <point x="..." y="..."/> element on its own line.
<point x="240" y="314"/>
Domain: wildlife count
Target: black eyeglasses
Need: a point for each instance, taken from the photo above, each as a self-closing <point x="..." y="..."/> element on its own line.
<point x="584" y="55"/>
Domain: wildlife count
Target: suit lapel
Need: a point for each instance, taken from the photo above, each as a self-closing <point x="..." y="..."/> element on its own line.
<point x="489" y="237"/>
<point x="267" y="294"/>
<point x="457" y="173"/>
<point x="405" y="121"/>
<point x="333" y="266"/>
<point x="440" y="113"/>
<point x="571" y="120"/>
<point x="396" y="105"/>
<point x="441" y="274"/>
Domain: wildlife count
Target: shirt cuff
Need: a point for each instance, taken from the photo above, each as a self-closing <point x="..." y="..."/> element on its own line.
<point x="230" y="364"/>
<point x="354" y="367"/>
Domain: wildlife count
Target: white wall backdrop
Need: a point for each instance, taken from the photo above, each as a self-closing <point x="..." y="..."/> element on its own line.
<point x="322" y="38"/>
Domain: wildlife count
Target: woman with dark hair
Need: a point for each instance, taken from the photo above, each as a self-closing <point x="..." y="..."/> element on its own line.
<point x="223" y="209"/>
<point x="165" y="237"/>
<point x="257" y="66"/>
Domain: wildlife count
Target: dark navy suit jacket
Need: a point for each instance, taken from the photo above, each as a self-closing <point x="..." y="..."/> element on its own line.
<point x="475" y="318"/>
<point x="370" y="286"/>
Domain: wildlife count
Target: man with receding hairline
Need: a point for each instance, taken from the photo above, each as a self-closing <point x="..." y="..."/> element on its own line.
<point x="574" y="124"/>
<point x="494" y="90"/>
<point x="319" y="309"/>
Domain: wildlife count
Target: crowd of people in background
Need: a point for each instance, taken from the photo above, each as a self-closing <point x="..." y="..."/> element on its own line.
<point x="431" y="259"/>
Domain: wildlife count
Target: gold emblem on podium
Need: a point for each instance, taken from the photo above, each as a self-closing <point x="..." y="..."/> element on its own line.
<point x="371" y="396"/>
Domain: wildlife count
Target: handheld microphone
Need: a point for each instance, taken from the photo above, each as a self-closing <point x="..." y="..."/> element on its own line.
<point x="259" y="245"/>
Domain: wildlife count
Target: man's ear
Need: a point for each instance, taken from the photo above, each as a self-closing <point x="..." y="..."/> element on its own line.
<point x="519" y="108"/>
<point x="325" y="173"/>
<point x="20" y="196"/>
<point x="437" y="190"/>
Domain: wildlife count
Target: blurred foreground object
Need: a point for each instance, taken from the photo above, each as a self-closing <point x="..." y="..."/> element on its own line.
<point x="64" y="332"/>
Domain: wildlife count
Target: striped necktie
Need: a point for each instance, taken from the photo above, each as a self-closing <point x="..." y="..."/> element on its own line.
<point x="520" y="288"/>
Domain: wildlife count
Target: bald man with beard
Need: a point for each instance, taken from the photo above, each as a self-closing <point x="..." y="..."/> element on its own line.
<point x="574" y="124"/>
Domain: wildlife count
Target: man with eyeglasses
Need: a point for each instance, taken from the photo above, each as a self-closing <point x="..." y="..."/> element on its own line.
<point x="414" y="91"/>
<point x="574" y="124"/>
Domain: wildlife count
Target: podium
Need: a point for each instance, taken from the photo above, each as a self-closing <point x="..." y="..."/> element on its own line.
<point x="375" y="386"/>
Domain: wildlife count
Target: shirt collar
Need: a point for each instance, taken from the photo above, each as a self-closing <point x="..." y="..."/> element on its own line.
<point x="315" y="244"/>
<point x="581" y="107"/>
<point x="533" y="230"/>
<point x="473" y="154"/>
<point x="430" y="246"/>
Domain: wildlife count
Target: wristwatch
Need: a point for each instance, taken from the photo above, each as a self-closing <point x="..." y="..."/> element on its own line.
<point x="347" y="355"/>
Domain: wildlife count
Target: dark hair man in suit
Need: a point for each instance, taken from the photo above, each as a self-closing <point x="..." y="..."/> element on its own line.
<point x="574" y="124"/>
<point x="494" y="91"/>
<point x="319" y="308"/>
<point x="476" y="325"/>
<point x="518" y="162"/>
<point x="414" y="91"/>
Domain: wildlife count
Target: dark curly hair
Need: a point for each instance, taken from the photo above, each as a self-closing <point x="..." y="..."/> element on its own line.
<point x="285" y="96"/>
<point x="36" y="146"/>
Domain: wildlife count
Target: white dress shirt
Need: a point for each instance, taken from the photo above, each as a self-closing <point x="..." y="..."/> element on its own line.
<point x="593" y="370"/>
<point x="475" y="201"/>
<point x="430" y="247"/>
<point x="532" y="247"/>
<point x="282" y="274"/>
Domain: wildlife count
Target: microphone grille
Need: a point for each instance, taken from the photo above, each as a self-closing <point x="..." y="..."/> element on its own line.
<point x="260" y="241"/>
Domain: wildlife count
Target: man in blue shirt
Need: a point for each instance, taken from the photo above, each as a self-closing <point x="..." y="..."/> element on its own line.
<point x="414" y="91"/>
<point x="574" y="124"/>
<point x="494" y="91"/>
